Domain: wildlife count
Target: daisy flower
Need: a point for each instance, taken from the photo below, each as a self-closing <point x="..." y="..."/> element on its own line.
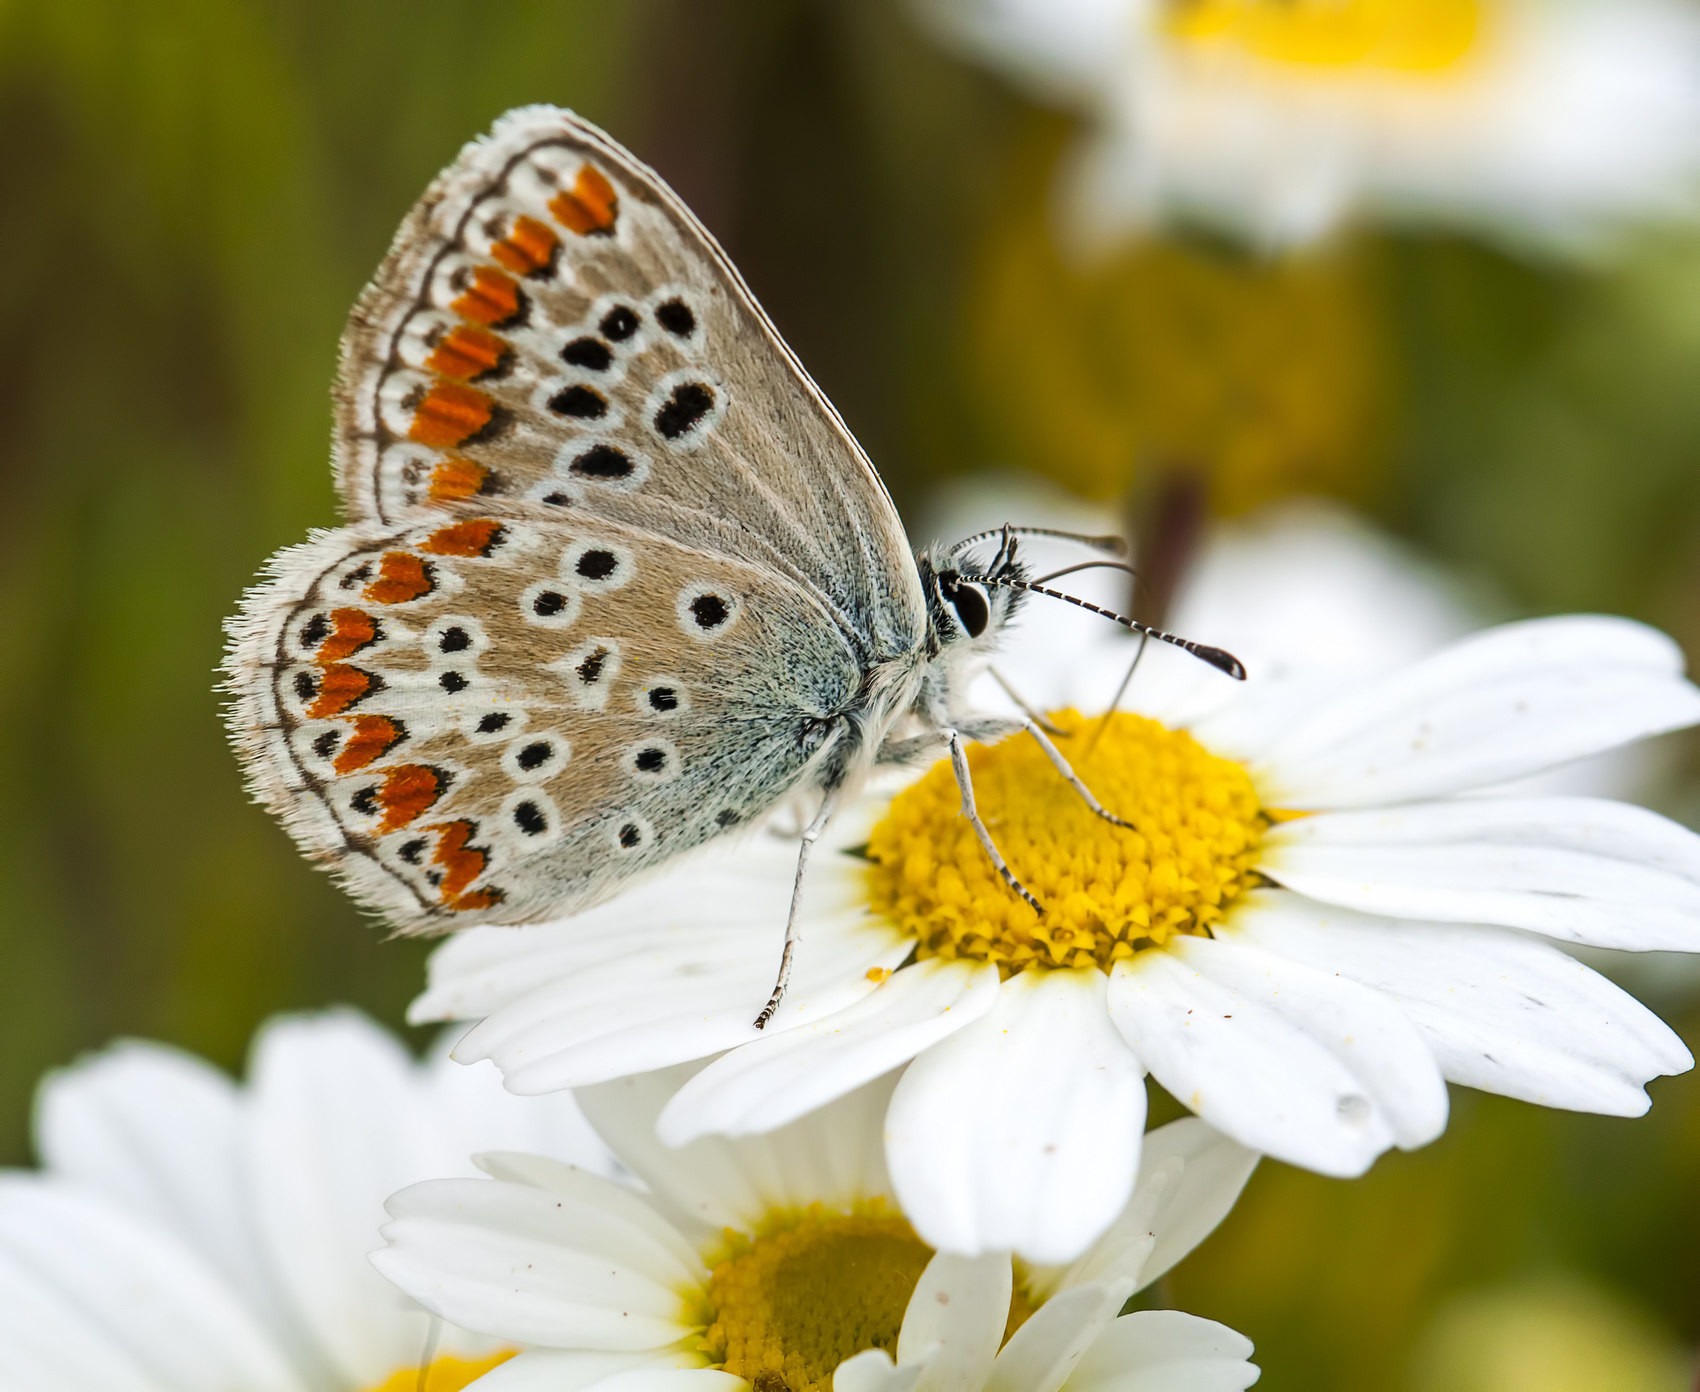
<point x="187" y="1234"/>
<point x="1550" y="120"/>
<point x="780" y="1263"/>
<point x="1322" y="913"/>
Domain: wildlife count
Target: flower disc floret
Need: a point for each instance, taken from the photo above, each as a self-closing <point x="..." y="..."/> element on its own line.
<point x="813" y="1290"/>
<point x="1108" y="891"/>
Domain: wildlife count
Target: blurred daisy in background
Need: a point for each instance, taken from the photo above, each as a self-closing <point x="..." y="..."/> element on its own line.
<point x="782" y="1261"/>
<point x="1540" y="121"/>
<point x="1314" y="922"/>
<point x="189" y="1234"/>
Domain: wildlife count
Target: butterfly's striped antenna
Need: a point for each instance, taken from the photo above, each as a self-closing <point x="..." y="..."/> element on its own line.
<point x="1127" y="677"/>
<point x="1087" y="565"/>
<point x="1115" y="545"/>
<point x="1216" y="657"/>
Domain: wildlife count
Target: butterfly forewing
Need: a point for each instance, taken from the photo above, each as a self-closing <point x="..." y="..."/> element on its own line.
<point x="500" y="715"/>
<point x="553" y="326"/>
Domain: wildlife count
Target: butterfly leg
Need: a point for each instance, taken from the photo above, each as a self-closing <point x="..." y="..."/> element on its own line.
<point x="1042" y="730"/>
<point x="965" y="782"/>
<point x="811" y="834"/>
<point x="1021" y="705"/>
<point x="1063" y="767"/>
<point x="1116" y="700"/>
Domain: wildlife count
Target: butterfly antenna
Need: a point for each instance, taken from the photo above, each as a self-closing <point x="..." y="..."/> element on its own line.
<point x="1216" y="657"/>
<point x="1122" y="566"/>
<point x="1115" y="545"/>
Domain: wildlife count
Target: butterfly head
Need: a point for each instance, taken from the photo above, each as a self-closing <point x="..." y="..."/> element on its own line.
<point x="968" y="604"/>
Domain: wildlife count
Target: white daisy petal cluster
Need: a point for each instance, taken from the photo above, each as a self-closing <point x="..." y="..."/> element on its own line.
<point x="1323" y="914"/>
<point x="1542" y="121"/>
<point x="779" y="1261"/>
<point x="187" y="1234"/>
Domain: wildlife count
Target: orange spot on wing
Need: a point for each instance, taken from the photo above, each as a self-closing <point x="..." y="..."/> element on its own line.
<point x="339" y="688"/>
<point x="529" y="247"/>
<point x="449" y="414"/>
<point x="458" y="478"/>
<point x="478" y="899"/>
<point x="401" y="577"/>
<point x="476" y="537"/>
<point x="408" y="790"/>
<point x="462" y="863"/>
<point x="492" y="298"/>
<point x="374" y="736"/>
<point x="354" y="631"/>
<point x="589" y="206"/>
<point x="466" y="352"/>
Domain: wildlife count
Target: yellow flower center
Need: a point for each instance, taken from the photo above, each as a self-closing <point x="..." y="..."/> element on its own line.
<point x="814" y="1288"/>
<point x="1107" y="891"/>
<point x="446" y="1374"/>
<point x="1402" y="36"/>
<point x="792" y="1304"/>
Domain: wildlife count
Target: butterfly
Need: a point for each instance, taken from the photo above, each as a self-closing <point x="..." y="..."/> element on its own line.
<point x="616" y="578"/>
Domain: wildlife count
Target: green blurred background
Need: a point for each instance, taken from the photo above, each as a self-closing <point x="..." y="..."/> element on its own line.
<point x="195" y="190"/>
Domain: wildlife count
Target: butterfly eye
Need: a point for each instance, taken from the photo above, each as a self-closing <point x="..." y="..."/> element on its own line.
<point x="972" y="607"/>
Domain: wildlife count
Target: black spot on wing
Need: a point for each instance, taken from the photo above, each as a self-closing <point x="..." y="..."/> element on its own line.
<point x="684" y="410"/>
<point x="601" y="462"/>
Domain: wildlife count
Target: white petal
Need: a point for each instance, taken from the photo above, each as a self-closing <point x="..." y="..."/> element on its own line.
<point x="672" y="1380"/>
<point x="1022" y="1131"/>
<point x="640" y="1234"/>
<point x="1041" y="1354"/>
<point x="1064" y="51"/>
<point x="833" y="1156"/>
<point x="728" y="891"/>
<point x="531" y="1266"/>
<point x="475" y="1112"/>
<point x="156" y="1130"/>
<point x="1497" y="706"/>
<point x="1190" y="1174"/>
<point x="1501" y="1011"/>
<point x="1596" y="826"/>
<point x="1566" y="895"/>
<point x="955" y="1321"/>
<point x="88" y="1291"/>
<point x="1315" y="1070"/>
<point x="574" y="1370"/>
<point x="336" y="1124"/>
<point x="676" y="993"/>
<point x="477" y="972"/>
<point x="775" y="1080"/>
<point x="1579" y="869"/>
<point x="1166" y="1351"/>
<point x="872" y="1370"/>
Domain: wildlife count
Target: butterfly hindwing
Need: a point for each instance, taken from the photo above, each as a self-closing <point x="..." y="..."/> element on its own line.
<point x="499" y="715"/>
<point x="554" y="326"/>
